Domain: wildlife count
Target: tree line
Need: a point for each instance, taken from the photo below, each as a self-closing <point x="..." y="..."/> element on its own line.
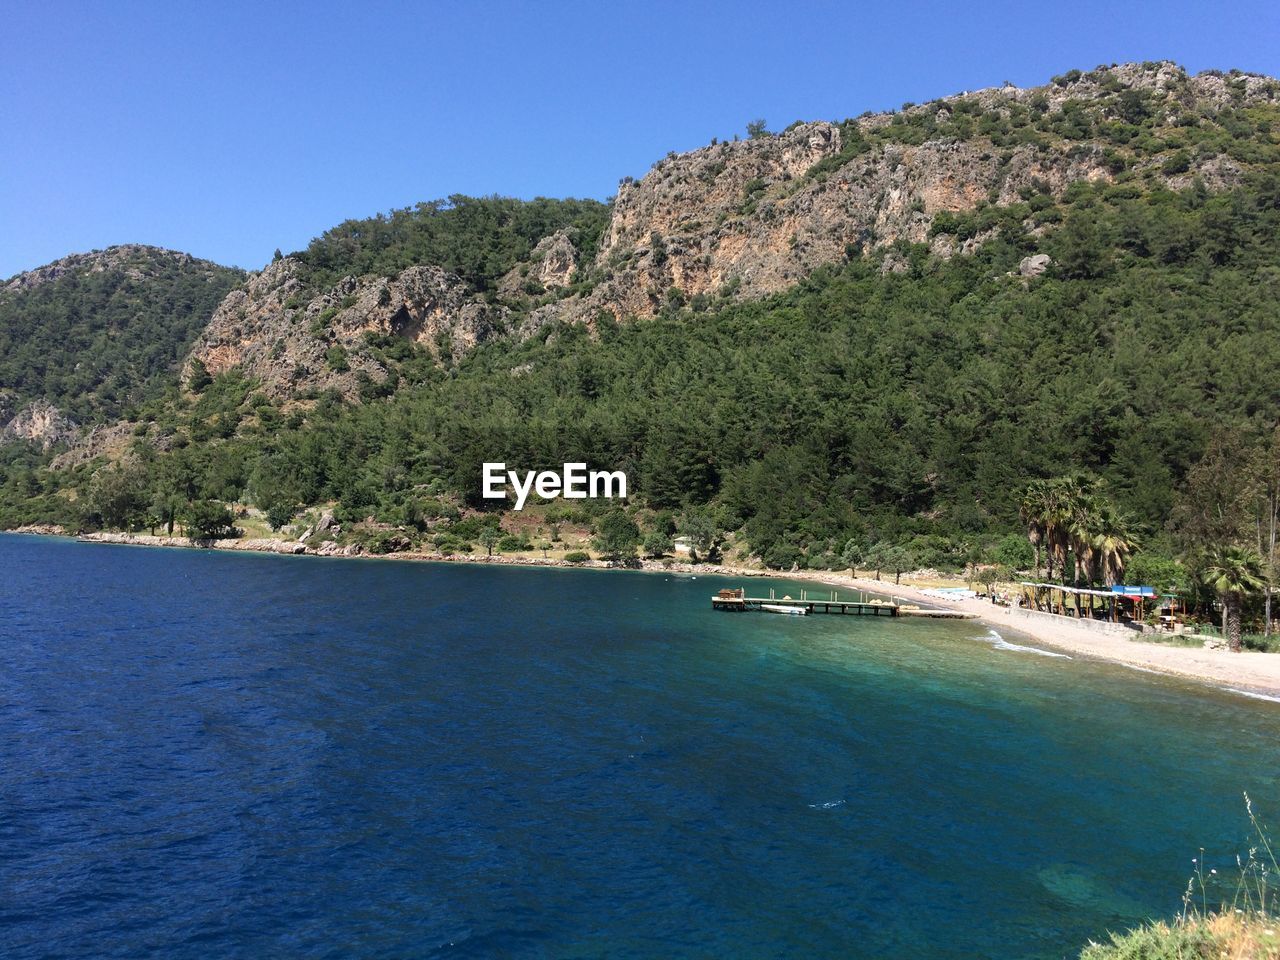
<point x="897" y="415"/>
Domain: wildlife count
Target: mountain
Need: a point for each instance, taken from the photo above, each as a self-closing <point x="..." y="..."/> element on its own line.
<point x="875" y="331"/>
<point x="90" y="336"/>
<point x="756" y="216"/>
<point x="430" y="276"/>
<point x="733" y="221"/>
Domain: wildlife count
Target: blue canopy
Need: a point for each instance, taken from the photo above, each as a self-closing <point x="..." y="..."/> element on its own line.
<point x="1134" y="591"/>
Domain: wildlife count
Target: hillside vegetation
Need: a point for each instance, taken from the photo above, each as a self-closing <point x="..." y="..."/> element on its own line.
<point x="865" y="403"/>
<point x="477" y="238"/>
<point x="1108" y="308"/>
<point x="95" y="334"/>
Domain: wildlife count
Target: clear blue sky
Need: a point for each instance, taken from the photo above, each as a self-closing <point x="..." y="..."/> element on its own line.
<point x="229" y="129"/>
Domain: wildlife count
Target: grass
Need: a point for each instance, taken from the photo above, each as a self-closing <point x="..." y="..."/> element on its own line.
<point x="1242" y="926"/>
<point x="1217" y="937"/>
<point x="1250" y="641"/>
<point x="1172" y="639"/>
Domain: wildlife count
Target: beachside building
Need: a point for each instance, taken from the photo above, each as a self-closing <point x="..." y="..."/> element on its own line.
<point x="682" y="547"/>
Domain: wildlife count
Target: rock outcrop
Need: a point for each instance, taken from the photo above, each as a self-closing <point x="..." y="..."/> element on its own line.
<point x="550" y="267"/>
<point x="752" y="218"/>
<point x="741" y="218"/>
<point x="325" y="524"/>
<point x="1034" y="265"/>
<point x="41" y="423"/>
<point x="286" y="335"/>
<point x="110" y="440"/>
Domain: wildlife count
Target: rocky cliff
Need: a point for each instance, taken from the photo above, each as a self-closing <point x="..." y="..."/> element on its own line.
<point x="750" y="218"/>
<point x="39" y="422"/>
<point x="287" y="335"/>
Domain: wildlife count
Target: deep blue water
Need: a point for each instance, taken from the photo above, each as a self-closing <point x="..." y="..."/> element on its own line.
<point x="205" y="755"/>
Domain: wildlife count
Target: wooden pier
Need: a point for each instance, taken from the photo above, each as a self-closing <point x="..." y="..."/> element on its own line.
<point x="857" y="608"/>
<point x="737" y="601"/>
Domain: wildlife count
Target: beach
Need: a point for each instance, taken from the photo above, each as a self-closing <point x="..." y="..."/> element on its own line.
<point x="1250" y="673"/>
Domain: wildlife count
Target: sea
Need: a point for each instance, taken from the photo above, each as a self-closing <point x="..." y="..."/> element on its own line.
<point x="205" y="754"/>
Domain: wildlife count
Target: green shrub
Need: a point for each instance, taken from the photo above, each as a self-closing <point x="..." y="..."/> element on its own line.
<point x="336" y="358"/>
<point x="577" y="556"/>
<point x="207" y="520"/>
<point x="1161" y="941"/>
<point x="447" y="543"/>
<point x="1013" y="551"/>
<point x="1178" y="162"/>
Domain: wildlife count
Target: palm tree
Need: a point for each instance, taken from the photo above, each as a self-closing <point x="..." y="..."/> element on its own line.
<point x="1053" y="518"/>
<point x="1102" y="540"/>
<point x="1083" y="510"/>
<point x="1068" y="507"/>
<point x="1067" y="515"/>
<point x="1041" y="511"/>
<point x="1033" y="508"/>
<point x="1234" y="573"/>
<point x="1113" y="541"/>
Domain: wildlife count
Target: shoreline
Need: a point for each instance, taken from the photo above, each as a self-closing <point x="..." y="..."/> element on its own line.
<point x="1250" y="674"/>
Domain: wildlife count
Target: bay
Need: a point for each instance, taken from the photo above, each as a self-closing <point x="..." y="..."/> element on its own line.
<point x="205" y="754"/>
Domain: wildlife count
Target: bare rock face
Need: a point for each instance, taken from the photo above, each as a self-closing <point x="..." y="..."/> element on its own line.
<point x="746" y="218"/>
<point x="894" y="262"/>
<point x="679" y="189"/>
<point x="41" y="423"/>
<point x="728" y="213"/>
<point x="425" y="304"/>
<point x="550" y="266"/>
<point x="109" y="440"/>
<point x="1216" y="173"/>
<point x="752" y="218"/>
<point x="1034" y="265"/>
<point x="284" y="335"/>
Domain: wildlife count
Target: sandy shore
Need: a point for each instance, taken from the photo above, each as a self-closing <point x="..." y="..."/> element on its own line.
<point x="1250" y="673"/>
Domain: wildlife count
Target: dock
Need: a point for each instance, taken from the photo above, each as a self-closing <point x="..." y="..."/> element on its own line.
<point x="857" y="608"/>
<point x="737" y="601"/>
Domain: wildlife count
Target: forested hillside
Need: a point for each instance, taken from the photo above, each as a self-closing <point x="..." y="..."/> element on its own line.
<point x="864" y="404"/>
<point x="95" y="333"/>
<point x="1110" y="311"/>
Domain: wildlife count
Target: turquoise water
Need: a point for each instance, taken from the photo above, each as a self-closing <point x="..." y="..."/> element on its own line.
<point x="246" y="756"/>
